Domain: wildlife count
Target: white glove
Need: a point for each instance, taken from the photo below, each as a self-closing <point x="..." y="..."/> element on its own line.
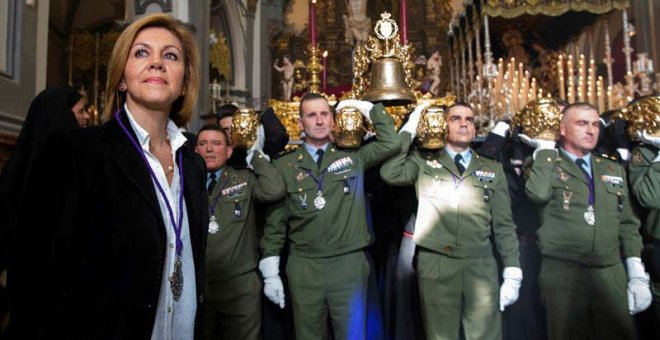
<point x="413" y="120"/>
<point x="639" y="291"/>
<point x="273" y="288"/>
<point x="363" y="106"/>
<point x="257" y="146"/>
<point x="648" y="139"/>
<point x="623" y="153"/>
<point x="501" y="128"/>
<point x="509" y="291"/>
<point x="537" y="143"/>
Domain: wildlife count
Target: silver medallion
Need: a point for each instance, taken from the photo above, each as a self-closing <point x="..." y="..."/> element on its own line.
<point x="589" y="216"/>
<point x="213" y="225"/>
<point x="319" y="201"/>
<point x="176" y="280"/>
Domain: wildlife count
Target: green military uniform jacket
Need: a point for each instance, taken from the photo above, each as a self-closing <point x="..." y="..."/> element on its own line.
<point x="457" y="214"/>
<point x="554" y="178"/>
<point x="645" y="182"/>
<point x="233" y="249"/>
<point x="341" y="225"/>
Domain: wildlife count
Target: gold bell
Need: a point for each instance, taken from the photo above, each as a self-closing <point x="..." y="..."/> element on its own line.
<point x="388" y="79"/>
<point x="349" y="128"/>
<point x="244" y="126"/>
<point x="388" y="83"/>
<point x="431" y="128"/>
<point x="643" y="114"/>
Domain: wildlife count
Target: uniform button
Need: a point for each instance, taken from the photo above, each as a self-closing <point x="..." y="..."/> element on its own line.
<point x="549" y="159"/>
<point x="171" y="245"/>
<point x="567" y="187"/>
<point x="299" y="189"/>
<point x="486" y="186"/>
<point x="169" y="309"/>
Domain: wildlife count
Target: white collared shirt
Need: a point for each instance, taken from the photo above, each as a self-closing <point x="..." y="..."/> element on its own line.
<point x="466" y="154"/>
<point x="174" y="319"/>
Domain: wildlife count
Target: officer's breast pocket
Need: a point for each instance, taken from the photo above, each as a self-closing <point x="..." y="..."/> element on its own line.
<point x="435" y="185"/>
<point x="617" y="197"/>
<point x="346" y="181"/>
<point x="567" y="194"/>
<point x="301" y="197"/>
<point x="236" y="205"/>
<point x="484" y="189"/>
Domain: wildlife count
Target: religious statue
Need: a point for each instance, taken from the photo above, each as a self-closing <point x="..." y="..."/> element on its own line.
<point x="299" y="77"/>
<point x="287" y="77"/>
<point x="357" y="23"/>
<point x="513" y="42"/>
<point x="433" y="66"/>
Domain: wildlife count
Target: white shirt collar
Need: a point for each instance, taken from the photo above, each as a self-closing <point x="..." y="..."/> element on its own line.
<point x="177" y="139"/>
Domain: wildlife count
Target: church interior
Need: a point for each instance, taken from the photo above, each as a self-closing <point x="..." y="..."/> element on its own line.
<point x="481" y="52"/>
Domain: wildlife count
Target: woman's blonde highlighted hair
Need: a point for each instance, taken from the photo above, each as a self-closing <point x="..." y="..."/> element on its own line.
<point x="183" y="106"/>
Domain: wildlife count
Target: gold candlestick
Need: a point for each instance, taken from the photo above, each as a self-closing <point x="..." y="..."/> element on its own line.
<point x="315" y="68"/>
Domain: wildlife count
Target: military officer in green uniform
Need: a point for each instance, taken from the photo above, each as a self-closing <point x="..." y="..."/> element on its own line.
<point x="233" y="288"/>
<point x="645" y="183"/>
<point x="463" y="201"/>
<point x="324" y="218"/>
<point x="587" y="225"/>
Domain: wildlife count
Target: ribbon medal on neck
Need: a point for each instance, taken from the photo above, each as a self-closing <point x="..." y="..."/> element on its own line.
<point x="589" y="215"/>
<point x="176" y="280"/>
<point x="214" y="227"/>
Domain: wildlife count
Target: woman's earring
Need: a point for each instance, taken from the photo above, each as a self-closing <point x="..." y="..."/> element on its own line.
<point x="122" y="86"/>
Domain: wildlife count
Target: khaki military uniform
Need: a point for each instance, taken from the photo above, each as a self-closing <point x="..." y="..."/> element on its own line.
<point x="233" y="288"/>
<point x="645" y="183"/>
<point x="327" y="270"/>
<point x="456" y="217"/>
<point x="582" y="279"/>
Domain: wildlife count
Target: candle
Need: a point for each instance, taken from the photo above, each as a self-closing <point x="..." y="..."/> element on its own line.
<point x="404" y="23"/>
<point x="592" y="82"/>
<point x="571" y="80"/>
<point x="599" y="91"/>
<point x="582" y="77"/>
<point x="560" y="84"/>
<point x="312" y="22"/>
<point x="325" y="70"/>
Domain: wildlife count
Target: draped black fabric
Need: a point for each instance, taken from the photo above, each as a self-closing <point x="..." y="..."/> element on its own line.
<point x="49" y="111"/>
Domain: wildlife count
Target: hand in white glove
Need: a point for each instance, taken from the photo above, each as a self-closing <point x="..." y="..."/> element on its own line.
<point x="537" y="143"/>
<point x="501" y="128"/>
<point x="639" y="291"/>
<point x="363" y="106"/>
<point x="413" y="120"/>
<point x="273" y="288"/>
<point x="257" y="146"/>
<point x="509" y="291"/>
<point x="648" y="139"/>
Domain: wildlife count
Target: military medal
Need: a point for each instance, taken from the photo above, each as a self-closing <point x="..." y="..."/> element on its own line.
<point x="566" y="205"/>
<point x="213" y="225"/>
<point x="176" y="280"/>
<point x="319" y="201"/>
<point x="589" y="215"/>
<point x="303" y="201"/>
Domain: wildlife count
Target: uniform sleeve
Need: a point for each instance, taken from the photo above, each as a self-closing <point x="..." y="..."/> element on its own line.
<point x="401" y="169"/>
<point x="275" y="229"/>
<point x="504" y="228"/>
<point x="645" y="180"/>
<point x="629" y="237"/>
<point x="270" y="185"/>
<point x="537" y="186"/>
<point x="276" y="224"/>
<point x="387" y="140"/>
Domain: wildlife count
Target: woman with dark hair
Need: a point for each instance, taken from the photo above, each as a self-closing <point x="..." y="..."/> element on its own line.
<point x="116" y="246"/>
<point x="52" y="109"/>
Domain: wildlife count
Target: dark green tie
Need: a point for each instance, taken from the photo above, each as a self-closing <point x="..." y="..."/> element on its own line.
<point x="211" y="183"/>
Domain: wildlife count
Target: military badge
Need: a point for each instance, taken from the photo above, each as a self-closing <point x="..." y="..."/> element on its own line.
<point x="637" y="157"/>
<point x="300" y="176"/>
<point x="214" y="227"/>
<point x="614" y="180"/>
<point x="234" y="190"/>
<point x="341" y="165"/>
<point x="484" y="176"/>
<point x="434" y="164"/>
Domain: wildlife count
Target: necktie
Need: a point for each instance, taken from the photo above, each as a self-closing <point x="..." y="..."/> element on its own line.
<point x="457" y="160"/>
<point x="211" y="183"/>
<point x="581" y="163"/>
<point x="319" y="158"/>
